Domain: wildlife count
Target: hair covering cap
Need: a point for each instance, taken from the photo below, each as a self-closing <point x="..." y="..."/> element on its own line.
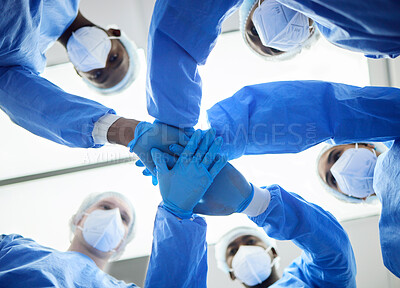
<point x="244" y="13"/>
<point x="223" y="243"/>
<point x="94" y="198"/>
<point x="131" y="74"/>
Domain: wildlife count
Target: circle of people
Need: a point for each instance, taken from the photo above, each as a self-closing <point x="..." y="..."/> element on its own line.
<point x="190" y="166"/>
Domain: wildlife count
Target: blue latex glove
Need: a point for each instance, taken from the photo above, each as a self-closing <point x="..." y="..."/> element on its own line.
<point x="157" y="135"/>
<point x="229" y="193"/>
<point x="185" y="184"/>
<point x="146" y="172"/>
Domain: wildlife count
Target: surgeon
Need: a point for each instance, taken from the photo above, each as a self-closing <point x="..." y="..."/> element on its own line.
<point x="289" y="117"/>
<point x="105" y="59"/>
<point x="249" y="256"/>
<point x="362" y="172"/>
<point x="102" y="227"/>
<point x="327" y="260"/>
<point x="292" y="116"/>
<point x="183" y="33"/>
<point x="274" y="31"/>
<point x="347" y="171"/>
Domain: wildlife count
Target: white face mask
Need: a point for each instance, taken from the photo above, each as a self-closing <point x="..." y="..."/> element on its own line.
<point x="280" y="27"/>
<point x="103" y="229"/>
<point x="354" y="172"/>
<point x="252" y="264"/>
<point x="88" y="48"/>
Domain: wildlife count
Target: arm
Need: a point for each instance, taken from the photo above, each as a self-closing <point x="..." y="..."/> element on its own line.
<point x="179" y="253"/>
<point x="327" y="259"/>
<point x="182" y="34"/>
<point x="44" y="109"/>
<point x="386" y="186"/>
<point x="289" y="117"/>
<point x="178" y="234"/>
<point x="366" y="27"/>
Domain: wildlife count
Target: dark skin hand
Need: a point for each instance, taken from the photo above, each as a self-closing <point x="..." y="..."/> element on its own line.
<point x="329" y="158"/>
<point x="117" y="62"/>
<point x="122" y="131"/>
<point x="251" y="240"/>
<point x="254" y="40"/>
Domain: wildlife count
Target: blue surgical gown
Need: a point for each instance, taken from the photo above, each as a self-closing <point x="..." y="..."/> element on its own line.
<point x="183" y="33"/>
<point x="387" y="187"/>
<point x="291" y="116"/>
<point x="327" y="259"/>
<point x="24" y="263"/>
<point x="27" y="30"/>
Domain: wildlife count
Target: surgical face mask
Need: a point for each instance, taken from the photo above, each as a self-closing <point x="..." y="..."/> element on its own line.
<point x="252" y="264"/>
<point x="354" y="172"/>
<point x="103" y="229"/>
<point x="280" y="27"/>
<point x="88" y="48"/>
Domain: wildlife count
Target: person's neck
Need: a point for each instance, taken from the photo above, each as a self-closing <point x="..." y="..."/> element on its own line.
<point x="100" y="261"/>
<point x="79" y="22"/>
<point x="267" y="282"/>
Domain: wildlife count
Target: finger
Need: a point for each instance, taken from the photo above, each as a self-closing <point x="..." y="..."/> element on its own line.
<point x="184" y="135"/>
<point x="212" y="152"/>
<point x="170" y="159"/>
<point x="176" y="149"/>
<point x="191" y="147"/>
<point x="159" y="160"/>
<point x="154" y="180"/>
<point x="151" y="167"/>
<point x="139" y="163"/>
<point x="217" y="167"/>
<point x="205" y="144"/>
<point x="146" y="172"/>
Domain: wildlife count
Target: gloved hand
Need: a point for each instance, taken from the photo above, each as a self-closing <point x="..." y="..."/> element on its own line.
<point x="146" y="172"/>
<point x="229" y="193"/>
<point x="157" y="135"/>
<point x="185" y="184"/>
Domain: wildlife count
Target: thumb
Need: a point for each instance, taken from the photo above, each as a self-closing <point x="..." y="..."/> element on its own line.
<point x="159" y="160"/>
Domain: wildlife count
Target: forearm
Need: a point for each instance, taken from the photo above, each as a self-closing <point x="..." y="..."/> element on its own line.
<point x="184" y="241"/>
<point x="122" y="131"/>
<point x="46" y="110"/>
<point x="325" y="244"/>
<point x="289" y="117"/>
<point x="181" y="36"/>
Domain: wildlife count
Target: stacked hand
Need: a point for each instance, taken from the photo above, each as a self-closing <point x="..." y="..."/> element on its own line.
<point x="184" y="185"/>
<point x="156" y="135"/>
<point x="229" y="193"/>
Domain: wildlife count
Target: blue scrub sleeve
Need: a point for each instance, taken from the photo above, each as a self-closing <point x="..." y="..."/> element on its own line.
<point x="386" y="186"/>
<point x="289" y="117"/>
<point x="369" y="27"/>
<point x="179" y="253"/>
<point x="182" y="34"/>
<point x="44" y="109"/>
<point x="327" y="259"/>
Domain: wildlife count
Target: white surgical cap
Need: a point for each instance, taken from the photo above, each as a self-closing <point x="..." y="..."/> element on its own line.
<point x="373" y="199"/>
<point x="95" y="198"/>
<point x="244" y="13"/>
<point x="131" y="74"/>
<point x="223" y="243"/>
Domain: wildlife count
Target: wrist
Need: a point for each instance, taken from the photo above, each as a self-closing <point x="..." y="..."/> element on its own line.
<point x="259" y="203"/>
<point x="122" y="131"/>
<point x="177" y="212"/>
